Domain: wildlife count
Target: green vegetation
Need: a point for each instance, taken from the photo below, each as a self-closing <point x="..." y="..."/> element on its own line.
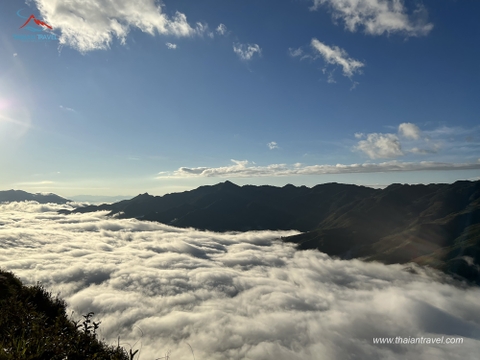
<point x="34" y="326"/>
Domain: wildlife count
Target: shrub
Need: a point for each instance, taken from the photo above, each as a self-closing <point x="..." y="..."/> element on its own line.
<point x="34" y="326"/>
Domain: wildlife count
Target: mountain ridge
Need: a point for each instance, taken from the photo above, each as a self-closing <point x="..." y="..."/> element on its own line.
<point x="435" y="224"/>
<point x="20" y="195"/>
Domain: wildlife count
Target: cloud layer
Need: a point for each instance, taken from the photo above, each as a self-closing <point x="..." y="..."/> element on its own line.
<point x="245" y="168"/>
<point x="377" y="17"/>
<point x="88" y="25"/>
<point x="232" y="296"/>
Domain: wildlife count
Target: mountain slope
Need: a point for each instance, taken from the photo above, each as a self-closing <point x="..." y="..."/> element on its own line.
<point x="435" y="224"/>
<point x="228" y="207"/>
<point x="19" y="195"/>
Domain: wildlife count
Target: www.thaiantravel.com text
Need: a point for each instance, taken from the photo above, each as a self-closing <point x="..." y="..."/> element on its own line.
<point x="398" y="340"/>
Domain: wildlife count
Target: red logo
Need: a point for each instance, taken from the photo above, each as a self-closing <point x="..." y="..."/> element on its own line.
<point x="38" y="22"/>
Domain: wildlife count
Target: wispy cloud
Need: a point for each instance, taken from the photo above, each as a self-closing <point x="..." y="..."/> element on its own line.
<point x="87" y="25"/>
<point x="66" y="108"/>
<point x="417" y="150"/>
<point x="245" y="168"/>
<point x="202" y="29"/>
<point x="221" y="30"/>
<point x="377" y="17"/>
<point x="452" y="131"/>
<point x="295" y="52"/>
<point x="246" y="51"/>
<point x="35" y="183"/>
<point x="272" y="145"/>
<point x="232" y="296"/>
<point x="333" y="56"/>
<point x="359" y="135"/>
<point x="171" y="46"/>
<point x="336" y="56"/>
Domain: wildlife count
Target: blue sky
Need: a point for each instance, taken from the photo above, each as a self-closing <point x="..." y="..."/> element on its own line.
<point x="164" y="97"/>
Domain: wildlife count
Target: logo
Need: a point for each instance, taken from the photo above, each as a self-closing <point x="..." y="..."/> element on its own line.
<point x="38" y="30"/>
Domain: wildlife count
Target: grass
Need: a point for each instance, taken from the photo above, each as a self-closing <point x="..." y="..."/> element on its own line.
<point x="34" y="326"/>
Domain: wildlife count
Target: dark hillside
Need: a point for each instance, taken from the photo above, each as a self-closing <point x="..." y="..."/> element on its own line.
<point x="34" y="325"/>
<point x="435" y="224"/>
<point x="19" y="195"/>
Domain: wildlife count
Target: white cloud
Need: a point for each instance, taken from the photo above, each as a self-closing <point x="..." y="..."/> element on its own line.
<point x="377" y="17"/>
<point x="66" y="108"/>
<point x="87" y="25"/>
<point x="246" y="51"/>
<point x="171" y="46"/>
<point x="380" y="146"/>
<point x="272" y="145"/>
<point x="354" y="85"/>
<point x="295" y="52"/>
<point x="359" y="135"/>
<point x="333" y="55"/>
<point x="448" y="131"/>
<point x="419" y="151"/>
<point x="247" y="169"/>
<point x="337" y="56"/>
<point x="15" y="54"/>
<point x="35" y="183"/>
<point x="409" y="130"/>
<point x="232" y="295"/>
<point x="202" y="29"/>
<point x="221" y="29"/>
<point x="388" y="145"/>
<point x="330" y="78"/>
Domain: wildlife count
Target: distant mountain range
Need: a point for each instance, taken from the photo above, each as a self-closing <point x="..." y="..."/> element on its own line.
<point x="436" y="225"/>
<point x="19" y="195"/>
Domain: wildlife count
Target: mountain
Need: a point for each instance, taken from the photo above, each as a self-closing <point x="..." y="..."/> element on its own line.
<point x="436" y="225"/>
<point x="229" y="207"/>
<point x="19" y="195"/>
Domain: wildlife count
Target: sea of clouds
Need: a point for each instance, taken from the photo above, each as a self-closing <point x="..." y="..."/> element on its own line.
<point x="166" y="290"/>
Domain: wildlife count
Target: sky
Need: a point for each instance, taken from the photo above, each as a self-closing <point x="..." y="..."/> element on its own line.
<point x="121" y="97"/>
<point x="233" y="295"/>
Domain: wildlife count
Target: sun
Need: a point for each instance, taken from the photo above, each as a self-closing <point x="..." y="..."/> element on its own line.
<point x="15" y="121"/>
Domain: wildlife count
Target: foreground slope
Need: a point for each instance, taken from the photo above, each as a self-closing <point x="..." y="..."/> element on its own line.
<point x="34" y="325"/>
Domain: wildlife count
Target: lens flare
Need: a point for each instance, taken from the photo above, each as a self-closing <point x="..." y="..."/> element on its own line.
<point x="14" y="123"/>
